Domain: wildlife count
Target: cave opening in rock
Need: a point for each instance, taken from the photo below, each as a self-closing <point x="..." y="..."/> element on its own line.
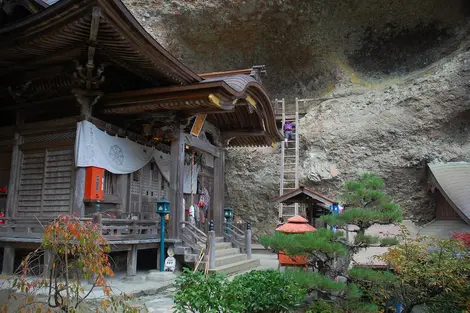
<point x="394" y="50"/>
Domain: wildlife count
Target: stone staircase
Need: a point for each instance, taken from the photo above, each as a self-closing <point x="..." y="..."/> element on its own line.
<point x="228" y="258"/>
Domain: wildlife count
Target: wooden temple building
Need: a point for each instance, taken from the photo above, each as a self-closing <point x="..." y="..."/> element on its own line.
<point x="312" y="205"/>
<point x="87" y="68"/>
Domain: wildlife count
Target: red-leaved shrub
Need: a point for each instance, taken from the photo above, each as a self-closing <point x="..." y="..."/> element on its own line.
<point x="465" y="237"/>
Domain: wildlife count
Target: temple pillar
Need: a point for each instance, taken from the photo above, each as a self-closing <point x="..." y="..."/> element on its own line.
<point x="132" y="261"/>
<point x="8" y="260"/>
<point x="15" y="167"/>
<point x="219" y="193"/>
<point x="176" y="185"/>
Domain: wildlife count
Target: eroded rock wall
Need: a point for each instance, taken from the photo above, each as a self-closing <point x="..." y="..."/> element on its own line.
<point x="397" y="72"/>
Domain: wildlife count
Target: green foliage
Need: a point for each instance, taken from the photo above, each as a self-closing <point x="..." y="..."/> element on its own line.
<point x="371" y="275"/>
<point x="366" y="204"/>
<point x="255" y="292"/>
<point x="316" y="281"/>
<point x="323" y="306"/>
<point x="211" y="294"/>
<point x="430" y="271"/>
<point x="268" y="292"/>
<point x="322" y="241"/>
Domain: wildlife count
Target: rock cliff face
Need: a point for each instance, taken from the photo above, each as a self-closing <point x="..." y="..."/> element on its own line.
<point x="396" y="74"/>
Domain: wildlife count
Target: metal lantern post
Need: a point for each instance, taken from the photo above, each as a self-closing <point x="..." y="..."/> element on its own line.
<point x="228" y="213"/>
<point x="163" y="208"/>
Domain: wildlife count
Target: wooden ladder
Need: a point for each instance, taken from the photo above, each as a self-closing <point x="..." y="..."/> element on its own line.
<point x="289" y="160"/>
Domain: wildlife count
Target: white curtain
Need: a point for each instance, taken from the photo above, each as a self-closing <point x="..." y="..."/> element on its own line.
<point x="94" y="147"/>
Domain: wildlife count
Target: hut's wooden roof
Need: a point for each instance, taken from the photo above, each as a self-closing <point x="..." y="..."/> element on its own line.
<point x="39" y="57"/>
<point x="453" y="180"/>
<point x="302" y="195"/>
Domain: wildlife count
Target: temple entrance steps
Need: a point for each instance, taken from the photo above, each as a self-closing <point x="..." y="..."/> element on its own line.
<point x="228" y="259"/>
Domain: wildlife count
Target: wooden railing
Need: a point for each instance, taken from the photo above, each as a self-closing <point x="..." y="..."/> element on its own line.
<point x="123" y="229"/>
<point x="193" y="237"/>
<point x="112" y="229"/>
<point x="234" y="235"/>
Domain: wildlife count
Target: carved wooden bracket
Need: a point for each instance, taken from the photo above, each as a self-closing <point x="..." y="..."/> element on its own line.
<point x="89" y="76"/>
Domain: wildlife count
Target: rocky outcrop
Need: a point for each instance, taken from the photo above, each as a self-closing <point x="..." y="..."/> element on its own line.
<point x="252" y="177"/>
<point x="395" y="73"/>
<point x="393" y="131"/>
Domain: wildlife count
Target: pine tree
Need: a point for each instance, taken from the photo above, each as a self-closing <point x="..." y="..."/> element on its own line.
<point x="331" y="252"/>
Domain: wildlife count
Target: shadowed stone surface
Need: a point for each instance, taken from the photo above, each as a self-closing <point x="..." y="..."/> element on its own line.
<point x="398" y="72"/>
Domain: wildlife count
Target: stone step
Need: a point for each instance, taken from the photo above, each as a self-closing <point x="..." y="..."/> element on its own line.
<point x="225" y="252"/>
<point x="237" y="267"/>
<point x="191" y="258"/>
<point x="219" y="239"/>
<point x="181" y="250"/>
<point x="223" y="245"/>
<point x="229" y="259"/>
<point x="259" y="249"/>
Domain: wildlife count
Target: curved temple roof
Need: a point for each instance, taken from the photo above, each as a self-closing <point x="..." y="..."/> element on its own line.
<point x="141" y="77"/>
<point x="63" y="30"/>
<point x="453" y="180"/>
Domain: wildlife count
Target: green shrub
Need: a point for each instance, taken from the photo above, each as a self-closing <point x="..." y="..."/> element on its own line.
<point x="255" y="292"/>
<point x="268" y="291"/>
<point x="323" y="306"/>
<point x="196" y="293"/>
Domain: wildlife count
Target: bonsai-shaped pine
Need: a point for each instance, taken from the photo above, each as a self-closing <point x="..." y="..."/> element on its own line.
<point x="73" y="251"/>
<point x="331" y="253"/>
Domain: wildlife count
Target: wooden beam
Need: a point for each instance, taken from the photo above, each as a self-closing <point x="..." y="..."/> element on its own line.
<point x="243" y="133"/>
<point x="48" y="144"/>
<point x="197" y="143"/>
<point x="115" y="130"/>
<point x="40" y="127"/>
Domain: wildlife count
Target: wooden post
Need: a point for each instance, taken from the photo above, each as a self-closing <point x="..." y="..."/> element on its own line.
<point x="48" y="260"/>
<point x="123" y="188"/>
<point x="297" y="135"/>
<point x="96" y="220"/>
<point x="248" y="240"/>
<point x="283" y="152"/>
<point x="8" y="260"/>
<point x="176" y="185"/>
<point x="211" y="245"/>
<point x="218" y="202"/>
<point x="80" y="172"/>
<point x="132" y="261"/>
<point x="14" y="174"/>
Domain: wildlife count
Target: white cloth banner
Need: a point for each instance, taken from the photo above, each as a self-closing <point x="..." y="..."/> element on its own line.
<point x="93" y="147"/>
